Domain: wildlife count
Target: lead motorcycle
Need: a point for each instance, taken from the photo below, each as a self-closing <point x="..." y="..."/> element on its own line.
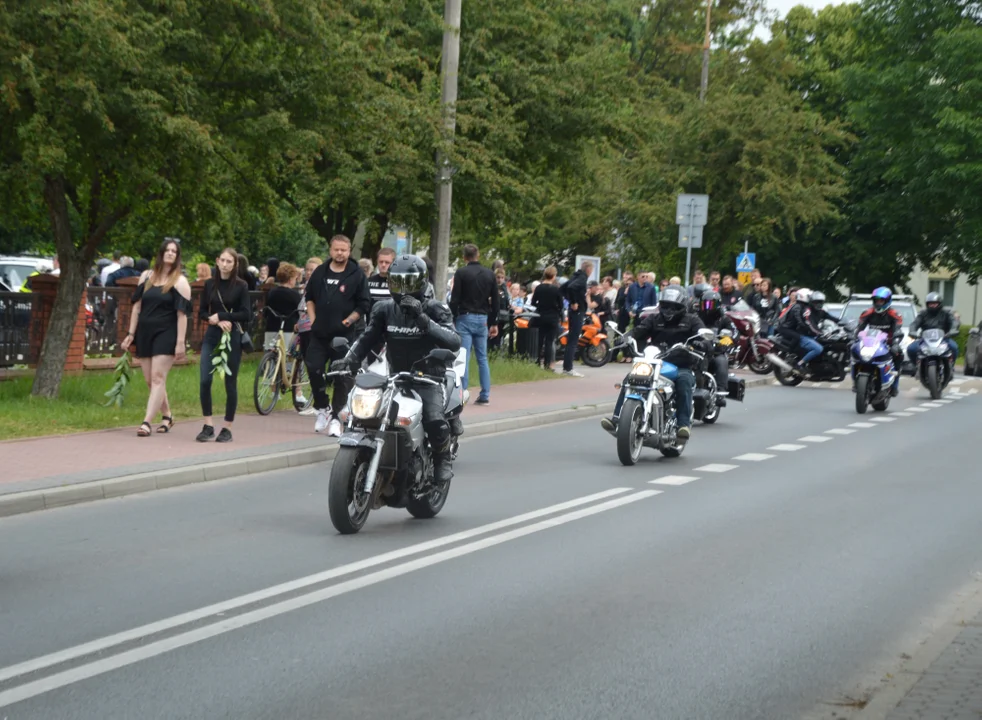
<point x="935" y="363"/>
<point x="831" y="366"/>
<point x="873" y="370"/>
<point x="647" y="416"/>
<point x="384" y="458"/>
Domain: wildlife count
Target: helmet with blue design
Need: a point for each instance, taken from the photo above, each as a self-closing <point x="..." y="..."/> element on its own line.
<point x="882" y="299"/>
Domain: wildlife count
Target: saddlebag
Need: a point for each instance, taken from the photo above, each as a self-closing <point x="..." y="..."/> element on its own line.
<point x="736" y="388"/>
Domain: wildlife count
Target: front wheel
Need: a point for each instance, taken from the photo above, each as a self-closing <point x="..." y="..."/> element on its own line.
<point x="760" y="366"/>
<point x="862" y="393"/>
<point x="629" y="440"/>
<point x="597" y="355"/>
<point x="933" y="385"/>
<point x="266" y="386"/>
<point x="347" y="500"/>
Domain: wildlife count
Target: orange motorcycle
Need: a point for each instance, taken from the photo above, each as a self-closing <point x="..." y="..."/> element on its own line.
<point x="593" y="348"/>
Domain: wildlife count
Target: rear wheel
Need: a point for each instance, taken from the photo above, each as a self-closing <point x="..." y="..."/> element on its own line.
<point x="862" y="393"/>
<point x="629" y="440"/>
<point x="347" y="500"/>
<point x="786" y="378"/>
<point x="266" y="386"/>
<point x="430" y="505"/>
<point x="596" y="355"/>
<point x="882" y="405"/>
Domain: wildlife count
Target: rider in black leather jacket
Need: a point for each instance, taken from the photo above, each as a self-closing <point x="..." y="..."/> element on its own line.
<point x="412" y="324"/>
<point x="712" y="315"/>
<point x="933" y="317"/>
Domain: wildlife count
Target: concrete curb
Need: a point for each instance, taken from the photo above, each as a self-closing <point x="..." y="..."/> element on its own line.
<point x="34" y="500"/>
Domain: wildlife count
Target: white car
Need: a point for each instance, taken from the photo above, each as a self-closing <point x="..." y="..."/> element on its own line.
<point x="14" y="270"/>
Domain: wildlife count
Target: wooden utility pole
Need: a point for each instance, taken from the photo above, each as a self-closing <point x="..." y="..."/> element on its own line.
<point x="440" y="244"/>
<point x="705" y="55"/>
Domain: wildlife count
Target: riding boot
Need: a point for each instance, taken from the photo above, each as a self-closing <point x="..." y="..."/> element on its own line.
<point x="442" y="469"/>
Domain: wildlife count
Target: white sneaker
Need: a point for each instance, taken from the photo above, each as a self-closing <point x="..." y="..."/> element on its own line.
<point x="334" y="428"/>
<point x="323" y="418"/>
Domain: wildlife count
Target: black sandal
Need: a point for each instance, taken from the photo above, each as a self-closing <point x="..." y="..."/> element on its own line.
<point x="168" y="424"/>
<point x="140" y="432"/>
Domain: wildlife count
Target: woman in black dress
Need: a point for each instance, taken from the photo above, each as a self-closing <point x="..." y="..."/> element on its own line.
<point x="159" y="325"/>
<point x="548" y="302"/>
<point x="225" y="306"/>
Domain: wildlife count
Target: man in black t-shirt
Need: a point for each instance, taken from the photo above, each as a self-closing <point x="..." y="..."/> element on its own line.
<point x="378" y="284"/>
<point x="337" y="303"/>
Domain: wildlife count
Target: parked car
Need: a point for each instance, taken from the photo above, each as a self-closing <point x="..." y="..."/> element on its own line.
<point x="14" y="270"/>
<point x="973" y="351"/>
<point x="835" y="309"/>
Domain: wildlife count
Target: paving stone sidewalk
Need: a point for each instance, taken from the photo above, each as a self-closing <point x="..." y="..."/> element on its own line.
<point x="951" y="687"/>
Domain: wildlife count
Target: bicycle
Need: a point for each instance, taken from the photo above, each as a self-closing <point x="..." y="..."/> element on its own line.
<point x="276" y="374"/>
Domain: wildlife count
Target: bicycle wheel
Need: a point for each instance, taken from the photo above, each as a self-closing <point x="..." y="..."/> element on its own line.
<point x="266" y="387"/>
<point x="303" y="396"/>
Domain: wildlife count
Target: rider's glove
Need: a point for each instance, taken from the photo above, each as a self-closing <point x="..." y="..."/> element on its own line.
<point x="411" y="306"/>
<point x="343" y="365"/>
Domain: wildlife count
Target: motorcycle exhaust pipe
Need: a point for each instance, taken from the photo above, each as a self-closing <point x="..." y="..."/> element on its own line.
<point x="773" y="359"/>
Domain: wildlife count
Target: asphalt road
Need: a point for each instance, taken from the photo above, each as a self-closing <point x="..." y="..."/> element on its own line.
<point x="760" y="589"/>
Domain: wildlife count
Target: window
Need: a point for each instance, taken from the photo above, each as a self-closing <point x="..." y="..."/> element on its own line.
<point x="946" y="288"/>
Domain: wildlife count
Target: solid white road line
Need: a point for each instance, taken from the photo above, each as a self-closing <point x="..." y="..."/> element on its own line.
<point x="673" y="480"/>
<point x="194" y="615"/>
<point x="153" y="649"/>
<point x="861" y="425"/>
<point x="716" y="468"/>
<point x="814" y="439"/>
<point x="786" y="447"/>
<point x="754" y="457"/>
<point x="840" y="431"/>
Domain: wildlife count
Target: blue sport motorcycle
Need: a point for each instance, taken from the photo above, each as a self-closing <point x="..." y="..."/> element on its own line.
<point x="873" y="370"/>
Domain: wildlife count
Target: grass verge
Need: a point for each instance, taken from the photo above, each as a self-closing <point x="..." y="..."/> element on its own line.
<point x="79" y="404"/>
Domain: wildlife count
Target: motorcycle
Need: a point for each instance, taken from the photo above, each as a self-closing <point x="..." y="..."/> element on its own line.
<point x="647" y="416"/>
<point x="751" y="348"/>
<point x="934" y="362"/>
<point x="383" y="458"/>
<point x="830" y="366"/>
<point x="593" y="348"/>
<point x="873" y="370"/>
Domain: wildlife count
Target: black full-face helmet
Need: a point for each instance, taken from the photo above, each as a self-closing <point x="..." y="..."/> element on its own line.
<point x="408" y="276"/>
<point x="672" y="303"/>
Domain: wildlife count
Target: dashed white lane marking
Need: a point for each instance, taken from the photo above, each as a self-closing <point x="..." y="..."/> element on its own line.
<point x="971" y="391"/>
<point x="883" y="419"/>
<point x="814" y="439"/>
<point x="945" y="401"/>
<point x="754" y="457"/>
<point x="786" y="447"/>
<point x="716" y="468"/>
<point x="839" y="431"/>
<point x="672" y="480"/>
<point x="918" y="409"/>
<point x="931" y="405"/>
<point x="902" y="414"/>
<point x="862" y="425"/>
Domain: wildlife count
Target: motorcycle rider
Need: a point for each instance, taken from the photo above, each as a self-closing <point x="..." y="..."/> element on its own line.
<point x="698" y="290"/>
<point x="882" y="317"/>
<point x="412" y="324"/>
<point x="670" y="325"/>
<point x="933" y="317"/>
<point x="712" y="315"/>
<point x="802" y="321"/>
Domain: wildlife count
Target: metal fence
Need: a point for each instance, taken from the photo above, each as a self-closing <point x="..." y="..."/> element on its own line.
<point x="16" y="311"/>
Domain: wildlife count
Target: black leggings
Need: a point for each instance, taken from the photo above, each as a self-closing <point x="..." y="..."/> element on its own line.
<point x="208" y="346"/>
<point x="548" y="332"/>
<point x="318" y="357"/>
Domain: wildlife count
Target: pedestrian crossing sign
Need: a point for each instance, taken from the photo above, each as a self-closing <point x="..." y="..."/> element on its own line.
<point x="746" y="262"/>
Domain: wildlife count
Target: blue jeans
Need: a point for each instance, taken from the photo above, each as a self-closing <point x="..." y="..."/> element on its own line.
<point x="473" y="331"/>
<point x="812" y="348"/>
<point x="684" y="386"/>
<point x="915" y="348"/>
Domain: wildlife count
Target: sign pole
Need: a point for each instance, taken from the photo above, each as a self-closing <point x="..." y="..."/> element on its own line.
<point x="688" y="249"/>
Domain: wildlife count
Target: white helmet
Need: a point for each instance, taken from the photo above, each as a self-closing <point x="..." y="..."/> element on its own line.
<point x="803" y="295"/>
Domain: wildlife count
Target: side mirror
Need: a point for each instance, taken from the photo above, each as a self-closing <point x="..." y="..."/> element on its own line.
<point x="707" y="333"/>
<point x="340" y="344"/>
<point x="441" y="355"/>
<point x="973" y="331"/>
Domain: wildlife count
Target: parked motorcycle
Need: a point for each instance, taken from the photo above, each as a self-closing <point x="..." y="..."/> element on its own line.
<point x="751" y="348"/>
<point x="935" y="363"/>
<point x="647" y="416"/>
<point x="593" y="348"/>
<point x="384" y="458"/>
<point x="831" y="366"/>
<point x="873" y="370"/>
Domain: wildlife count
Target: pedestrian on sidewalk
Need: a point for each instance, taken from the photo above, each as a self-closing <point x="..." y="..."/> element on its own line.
<point x="548" y="302"/>
<point x="158" y="324"/>
<point x="337" y="303"/>
<point x="474" y="303"/>
<point x="576" y="295"/>
<point x="282" y="308"/>
<point x="225" y="307"/>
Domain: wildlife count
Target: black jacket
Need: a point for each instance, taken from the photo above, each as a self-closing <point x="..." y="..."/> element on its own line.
<point x="475" y="292"/>
<point x="405" y="342"/>
<point x="654" y="329"/>
<point x="234" y="293"/>
<point x="575" y="291"/>
<point x="548" y="301"/>
<point x="378" y="288"/>
<point x="335" y="298"/>
<point x="944" y="320"/>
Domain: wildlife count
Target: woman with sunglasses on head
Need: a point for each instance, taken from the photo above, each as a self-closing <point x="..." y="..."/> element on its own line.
<point x="159" y="326"/>
<point x="225" y="307"/>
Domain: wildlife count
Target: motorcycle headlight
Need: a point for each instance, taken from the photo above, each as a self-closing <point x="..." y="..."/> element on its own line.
<point x="867" y="353"/>
<point x="641" y="369"/>
<point x="365" y="404"/>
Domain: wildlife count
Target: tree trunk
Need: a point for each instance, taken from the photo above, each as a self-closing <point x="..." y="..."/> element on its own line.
<point x="58" y="334"/>
<point x="373" y="243"/>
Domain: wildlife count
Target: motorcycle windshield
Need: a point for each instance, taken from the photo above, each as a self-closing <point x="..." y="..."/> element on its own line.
<point x="872" y="338"/>
<point x="933" y="335"/>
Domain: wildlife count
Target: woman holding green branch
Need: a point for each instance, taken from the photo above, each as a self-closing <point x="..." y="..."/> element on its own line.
<point x="225" y="306"/>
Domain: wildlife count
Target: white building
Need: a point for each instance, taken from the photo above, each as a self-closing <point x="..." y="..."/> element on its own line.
<point x="956" y="292"/>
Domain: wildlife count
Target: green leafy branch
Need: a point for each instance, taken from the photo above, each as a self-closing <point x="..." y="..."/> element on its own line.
<point x="121" y="380"/>
<point x="219" y="361"/>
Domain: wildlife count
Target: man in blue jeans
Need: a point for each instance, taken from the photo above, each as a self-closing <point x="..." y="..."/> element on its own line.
<point x="474" y="303"/>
